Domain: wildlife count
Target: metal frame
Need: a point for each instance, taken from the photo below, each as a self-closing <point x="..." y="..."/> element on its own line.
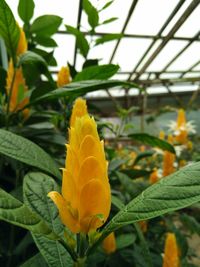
<point x="138" y="70"/>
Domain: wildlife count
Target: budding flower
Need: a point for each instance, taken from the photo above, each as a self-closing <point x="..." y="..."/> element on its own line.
<point x="171" y="253"/>
<point x="85" y="202"/>
<point x="109" y="244"/>
<point x="63" y="76"/>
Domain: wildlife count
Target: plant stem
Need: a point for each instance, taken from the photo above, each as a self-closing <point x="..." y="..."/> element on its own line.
<point x="9" y="98"/>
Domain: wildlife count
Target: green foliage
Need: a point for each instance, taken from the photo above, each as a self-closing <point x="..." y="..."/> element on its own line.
<point x="26" y="10"/>
<point x="83" y="87"/>
<point x="125" y="240"/>
<point x="177" y="191"/>
<point x="36" y="187"/>
<point x="46" y="25"/>
<point x="8" y="29"/>
<point x="92" y="13"/>
<point x="81" y="41"/>
<point x="152" y="141"/>
<point x="97" y="72"/>
<point x="15" y="212"/>
<point x="21" y="149"/>
<point x="108" y="38"/>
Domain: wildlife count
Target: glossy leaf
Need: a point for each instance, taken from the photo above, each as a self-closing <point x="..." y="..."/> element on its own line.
<point x="45" y="41"/>
<point x="92" y="13"/>
<point x="177" y="191"/>
<point x="9" y="30"/>
<point x="97" y="72"/>
<point x="46" y="25"/>
<point x="15" y="212"/>
<point x="36" y="187"/>
<point x="22" y="149"/>
<point x="108" y="38"/>
<point x="81" y="88"/>
<point x="26" y="10"/>
<point x="81" y="41"/>
<point x="151" y="140"/>
<point x="109" y="20"/>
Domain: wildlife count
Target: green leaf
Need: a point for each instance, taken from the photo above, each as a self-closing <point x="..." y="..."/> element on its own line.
<point x="35" y="261"/>
<point x="108" y="38"/>
<point x="92" y="13"/>
<point x="8" y="29"/>
<point x="106" y="5"/>
<point x="109" y="20"/>
<point x="30" y="57"/>
<point x="177" y="191"/>
<point x="97" y="72"/>
<point x="117" y="202"/>
<point x="90" y="62"/>
<point x="125" y="240"/>
<point x="15" y="212"/>
<point x="36" y="187"/>
<point x="22" y="149"/>
<point x="81" y="41"/>
<point x="191" y="223"/>
<point x="45" y="41"/>
<point x="53" y="252"/>
<point x="151" y="140"/>
<point x="26" y="10"/>
<point x="46" y="25"/>
<point x="143" y="155"/>
<point x="83" y="87"/>
<point x="134" y="173"/>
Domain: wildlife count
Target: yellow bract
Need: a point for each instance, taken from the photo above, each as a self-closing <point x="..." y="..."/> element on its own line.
<point x="86" y="198"/>
<point x="109" y="244"/>
<point x="17" y="82"/>
<point x="182" y="137"/>
<point x="63" y="76"/>
<point x="22" y="44"/>
<point x="168" y="160"/>
<point x="171" y="254"/>
<point x="153" y="177"/>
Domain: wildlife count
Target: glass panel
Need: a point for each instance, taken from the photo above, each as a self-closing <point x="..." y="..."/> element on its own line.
<point x="129" y="52"/>
<point x="168" y="52"/>
<point x="188" y="58"/>
<point x="149" y="16"/>
<point x="191" y="25"/>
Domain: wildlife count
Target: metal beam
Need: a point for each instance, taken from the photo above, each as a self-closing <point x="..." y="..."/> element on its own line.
<point x="169" y="36"/>
<point x="180" y="52"/>
<point x="131" y="10"/>
<point x="169" y="81"/>
<point x="178" y="6"/>
<point x="192" y="67"/>
<point x="78" y="27"/>
<point x="140" y="36"/>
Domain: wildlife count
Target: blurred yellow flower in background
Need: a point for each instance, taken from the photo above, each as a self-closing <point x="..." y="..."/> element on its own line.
<point x="15" y="83"/>
<point x="171" y="253"/>
<point x="86" y="198"/>
<point x="63" y="76"/>
<point x="109" y="244"/>
<point x="168" y="160"/>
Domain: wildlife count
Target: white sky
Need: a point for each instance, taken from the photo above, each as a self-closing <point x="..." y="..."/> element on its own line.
<point x="148" y="18"/>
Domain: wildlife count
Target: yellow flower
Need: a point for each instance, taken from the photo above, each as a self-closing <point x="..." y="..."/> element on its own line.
<point x="79" y="110"/>
<point x="17" y="85"/>
<point x="168" y="160"/>
<point x="109" y="244"/>
<point x="153" y="177"/>
<point x="171" y="253"/>
<point x="86" y="198"/>
<point x="63" y="76"/>
<point x="22" y="44"/>
<point x="162" y="135"/>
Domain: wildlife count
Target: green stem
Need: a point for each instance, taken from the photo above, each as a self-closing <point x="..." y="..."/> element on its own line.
<point x="9" y="98"/>
<point x="71" y="252"/>
<point x="144" y="245"/>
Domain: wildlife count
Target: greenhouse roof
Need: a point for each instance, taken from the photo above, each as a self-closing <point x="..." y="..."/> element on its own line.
<point x="159" y="48"/>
